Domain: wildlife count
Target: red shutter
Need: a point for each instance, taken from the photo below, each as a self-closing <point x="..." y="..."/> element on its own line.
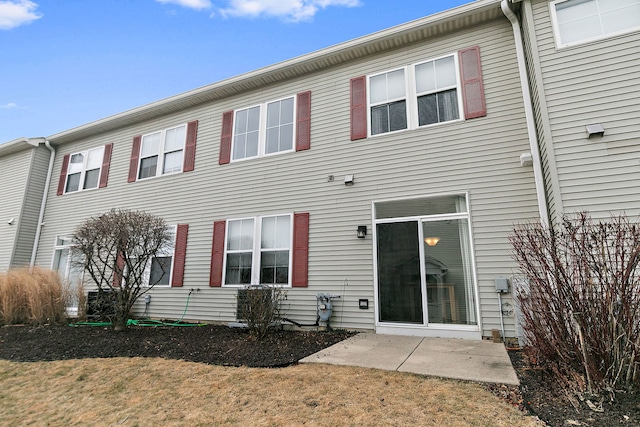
<point x="300" y="250"/>
<point x="106" y="164"/>
<point x="472" y="87"/>
<point x="303" y="121"/>
<point x="217" y="253"/>
<point x="63" y="174"/>
<point x="135" y="155"/>
<point x="179" y="255"/>
<point x="226" y="137"/>
<point x="358" y="108"/>
<point x="190" y="147"/>
<point x="118" y="270"/>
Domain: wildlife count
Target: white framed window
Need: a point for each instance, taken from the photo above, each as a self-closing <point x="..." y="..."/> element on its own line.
<point x="162" y="152"/>
<point x="83" y="172"/>
<point x="580" y="21"/>
<point x="258" y="251"/>
<point x="159" y="269"/>
<point x="264" y="129"/>
<point x="417" y="95"/>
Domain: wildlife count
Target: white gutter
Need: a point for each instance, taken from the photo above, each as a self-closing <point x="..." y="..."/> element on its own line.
<point x="528" y="111"/>
<point x="43" y="204"/>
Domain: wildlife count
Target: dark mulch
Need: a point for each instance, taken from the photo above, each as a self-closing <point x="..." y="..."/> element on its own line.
<point x="212" y="344"/>
<point x="561" y="407"/>
<point x="221" y="345"/>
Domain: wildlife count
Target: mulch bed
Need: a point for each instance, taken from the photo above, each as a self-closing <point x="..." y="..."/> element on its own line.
<point x="221" y="345"/>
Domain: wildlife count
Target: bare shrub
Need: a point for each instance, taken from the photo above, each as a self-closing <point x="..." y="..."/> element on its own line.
<point x="115" y="250"/>
<point x="581" y="309"/>
<point x="35" y="296"/>
<point x="261" y="307"/>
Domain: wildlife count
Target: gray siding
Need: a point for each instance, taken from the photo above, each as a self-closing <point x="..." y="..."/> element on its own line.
<point x="595" y="82"/>
<point x="14" y="175"/>
<point x="31" y="207"/>
<point x="480" y="156"/>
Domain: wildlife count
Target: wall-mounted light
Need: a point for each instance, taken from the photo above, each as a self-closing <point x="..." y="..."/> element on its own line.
<point x="362" y="231"/>
<point x="431" y="241"/>
<point x="594" y="130"/>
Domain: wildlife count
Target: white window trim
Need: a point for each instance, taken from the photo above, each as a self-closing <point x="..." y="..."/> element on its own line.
<point x="83" y="172"/>
<point x="411" y="96"/>
<point x="558" y="38"/>
<point x="256" y="252"/>
<point x="169" y="250"/>
<point x="162" y="152"/>
<point x="262" y="129"/>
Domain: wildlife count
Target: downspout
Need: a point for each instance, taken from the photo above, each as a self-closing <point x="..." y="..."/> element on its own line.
<point x="528" y="112"/>
<point x="43" y="204"/>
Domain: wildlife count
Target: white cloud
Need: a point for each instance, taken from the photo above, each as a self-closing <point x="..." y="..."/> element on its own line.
<point x="9" y="106"/>
<point x="191" y="4"/>
<point x="14" y="13"/>
<point x="294" y="10"/>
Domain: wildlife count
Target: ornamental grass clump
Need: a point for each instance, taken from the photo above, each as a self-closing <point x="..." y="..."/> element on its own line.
<point x="32" y="296"/>
<point x="581" y="305"/>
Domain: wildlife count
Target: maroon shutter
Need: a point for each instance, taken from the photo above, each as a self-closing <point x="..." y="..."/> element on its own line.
<point x="300" y="250"/>
<point x="358" y="108"/>
<point x="226" y="137"/>
<point x="118" y="270"/>
<point x="106" y="164"/>
<point x="217" y="253"/>
<point x="303" y="121"/>
<point x="135" y="155"/>
<point x="472" y="87"/>
<point x="63" y="174"/>
<point x="179" y="255"/>
<point x="190" y="147"/>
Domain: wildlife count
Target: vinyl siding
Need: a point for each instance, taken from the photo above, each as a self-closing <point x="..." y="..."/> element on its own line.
<point x="596" y="82"/>
<point x="14" y="174"/>
<point x="31" y="207"/>
<point x="480" y="156"/>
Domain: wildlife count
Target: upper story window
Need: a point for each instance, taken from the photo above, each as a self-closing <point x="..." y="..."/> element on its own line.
<point x="278" y="126"/>
<point x="579" y="21"/>
<point x="439" y="90"/>
<point x="164" y="152"/>
<point x="161" y="152"/>
<point x="264" y="129"/>
<point x="430" y="97"/>
<point x="85" y="170"/>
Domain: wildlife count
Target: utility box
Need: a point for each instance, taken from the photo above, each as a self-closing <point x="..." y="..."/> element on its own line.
<point x="502" y="285"/>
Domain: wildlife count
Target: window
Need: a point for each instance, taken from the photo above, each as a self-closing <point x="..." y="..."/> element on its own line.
<point x="161" y="152"/>
<point x="258" y="251"/>
<point x="432" y="96"/>
<point x="159" y="269"/>
<point x="274" y="127"/>
<point x="85" y="170"/>
<point x="165" y="152"/>
<point x="67" y="266"/>
<point x="578" y="21"/>
<point x="264" y="129"/>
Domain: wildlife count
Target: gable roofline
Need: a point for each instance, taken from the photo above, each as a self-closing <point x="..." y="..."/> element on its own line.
<point x="471" y="14"/>
<point x="19" y="144"/>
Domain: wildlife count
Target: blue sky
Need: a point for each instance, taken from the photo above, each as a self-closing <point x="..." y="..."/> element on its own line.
<point x="65" y="63"/>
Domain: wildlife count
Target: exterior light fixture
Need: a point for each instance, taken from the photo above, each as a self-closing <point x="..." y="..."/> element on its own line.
<point x="362" y="231"/>
<point x="431" y="241"/>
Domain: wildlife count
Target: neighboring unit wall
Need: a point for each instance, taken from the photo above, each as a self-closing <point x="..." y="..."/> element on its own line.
<point x="588" y="83"/>
<point x="479" y="156"/>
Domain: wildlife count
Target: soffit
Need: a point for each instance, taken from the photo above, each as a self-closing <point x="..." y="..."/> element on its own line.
<point x="453" y="20"/>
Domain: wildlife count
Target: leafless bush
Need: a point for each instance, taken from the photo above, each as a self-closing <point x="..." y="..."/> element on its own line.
<point x="260" y="307"/>
<point x="115" y="250"/>
<point x="35" y="296"/>
<point x="581" y="309"/>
